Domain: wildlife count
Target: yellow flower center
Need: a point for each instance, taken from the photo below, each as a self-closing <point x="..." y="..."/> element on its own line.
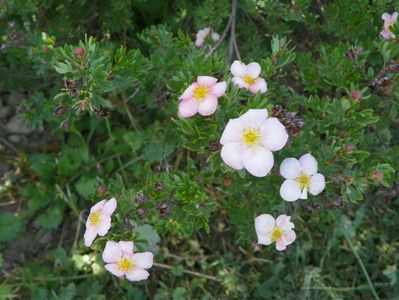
<point x="277" y="234"/>
<point x="125" y="265"/>
<point x="200" y="92"/>
<point x="251" y="136"/>
<point x="303" y="180"/>
<point x="248" y="79"/>
<point x="94" y="218"/>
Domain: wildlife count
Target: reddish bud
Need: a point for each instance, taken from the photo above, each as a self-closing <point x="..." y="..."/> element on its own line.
<point x="378" y="176"/>
<point x="348" y="148"/>
<point x="64" y="125"/>
<point x="159" y="186"/>
<point x="102" y="189"/>
<point x="356" y="96"/>
<point x="59" y="110"/>
<point x="79" y="52"/>
<point x="45" y="49"/>
<point x="227" y="181"/>
<point x="84" y="105"/>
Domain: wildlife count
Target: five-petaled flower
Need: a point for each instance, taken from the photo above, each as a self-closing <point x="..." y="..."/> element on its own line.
<point x="389" y="22"/>
<point x="99" y="220"/>
<point x="247" y="76"/>
<point x="203" y="33"/>
<point x="301" y="177"/>
<point x="122" y="261"/>
<point x="269" y="230"/>
<point x="201" y="96"/>
<point x="249" y="140"/>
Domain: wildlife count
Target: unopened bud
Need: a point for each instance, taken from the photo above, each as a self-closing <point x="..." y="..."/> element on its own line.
<point x="348" y="148"/>
<point x="378" y="176"/>
<point x="79" y="52"/>
<point x="102" y="189"/>
<point x="356" y="96"/>
<point x="140" y="198"/>
<point x="59" y="110"/>
<point x="64" y="125"/>
<point x="159" y="186"/>
<point x="142" y="212"/>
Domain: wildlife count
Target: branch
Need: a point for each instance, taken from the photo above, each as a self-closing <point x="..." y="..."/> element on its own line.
<point x="163" y="266"/>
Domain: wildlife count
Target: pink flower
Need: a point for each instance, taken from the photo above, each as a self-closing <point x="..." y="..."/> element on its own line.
<point x="280" y="230"/>
<point x="249" y="140"/>
<point x="201" y="97"/>
<point x="203" y="33"/>
<point x="247" y="76"/>
<point x="121" y="261"/>
<point x="356" y="95"/>
<point x="99" y="220"/>
<point x="389" y="22"/>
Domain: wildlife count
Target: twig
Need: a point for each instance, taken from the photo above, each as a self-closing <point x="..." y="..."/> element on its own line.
<point x="359" y="260"/>
<point x="219" y="42"/>
<point x="233" y="44"/>
<point x="77" y="230"/>
<point x="213" y="278"/>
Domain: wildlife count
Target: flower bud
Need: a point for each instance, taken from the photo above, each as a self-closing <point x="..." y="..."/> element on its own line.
<point x="348" y="149"/>
<point x="79" y="52"/>
<point x="142" y="212"/>
<point x="64" y="125"/>
<point x="356" y="96"/>
<point x="140" y="198"/>
<point x="378" y="176"/>
<point x="102" y="189"/>
<point x="159" y="186"/>
<point x="59" y="110"/>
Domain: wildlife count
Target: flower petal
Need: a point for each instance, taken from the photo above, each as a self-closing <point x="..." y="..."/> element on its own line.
<point x="188" y="108"/>
<point x="238" y="68"/>
<point x="260" y="85"/>
<point x="290" y="168"/>
<point x="264" y="224"/>
<point x="254" y="117"/>
<point x="387" y="34"/>
<point x="281" y="245"/>
<point x="208" y="106"/>
<point x="215" y="36"/>
<point x="290" y="190"/>
<point x="208" y="81"/>
<point x="253" y="69"/>
<point x="137" y="274"/>
<point x="189" y="92"/>
<point x="385" y="16"/>
<point x="284" y="222"/>
<point x="317" y="184"/>
<point x="289" y="236"/>
<point x="258" y="161"/>
<point x="89" y="236"/>
<point x="114" y="269"/>
<point x="112" y="252"/>
<point x="143" y="260"/>
<point x="273" y="134"/>
<point x="232" y="132"/>
<point x="104" y="225"/>
<point x="240" y="83"/>
<point x="218" y="89"/>
<point x="232" y="155"/>
<point x="96" y="207"/>
<point x="109" y="207"/>
<point x="308" y="163"/>
<point x="127" y="247"/>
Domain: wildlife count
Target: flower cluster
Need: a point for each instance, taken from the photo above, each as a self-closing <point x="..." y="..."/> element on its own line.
<point x="248" y="142"/>
<point x="119" y="257"/>
<point x="202" y="35"/>
<point x="389" y="23"/>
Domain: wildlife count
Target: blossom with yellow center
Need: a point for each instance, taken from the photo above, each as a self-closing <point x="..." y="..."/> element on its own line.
<point x="247" y="77"/>
<point x="251" y="136"/>
<point x="125" y="265"/>
<point x="95" y="218"/>
<point x="200" y="92"/>
<point x="279" y="231"/>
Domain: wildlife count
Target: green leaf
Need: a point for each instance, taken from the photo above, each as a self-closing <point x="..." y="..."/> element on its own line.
<point x="11" y="226"/>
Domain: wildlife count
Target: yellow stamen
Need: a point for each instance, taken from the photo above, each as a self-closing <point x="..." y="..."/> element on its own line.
<point x="200" y="92"/>
<point x="303" y="180"/>
<point x="277" y="234"/>
<point x="94" y="218"/>
<point x="251" y="136"/>
<point x="248" y="79"/>
<point x="125" y="265"/>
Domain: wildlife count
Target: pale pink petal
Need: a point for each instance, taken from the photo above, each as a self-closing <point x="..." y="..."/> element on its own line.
<point x="290" y="168"/>
<point x="201" y="35"/>
<point x="281" y="245"/>
<point x="96" y="207"/>
<point x="114" y="269"/>
<point x="215" y="36"/>
<point x="188" y="108"/>
<point x="104" y="225"/>
<point x="264" y="225"/>
<point x="208" y="81"/>
<point x="308" y="163"/>
<point x="238" y="68"/>
<point x="284" y="222"/>
<point x="199" y="42"/>
<point x="218" y="89"/>
<point x="188" y="93"/>
<point x="289" y="236"/>
<point x="232" y="155"/>
<point x="259" y="86"/>
<point x="254" y="117"/>
<point x="240" y="83"/>
<point x="208" y="106"/>
<point x="387" y="34"/>
<point x="127" y="247"/>
<point x="253" y="69"/>
<point x="232" y="132"/>
<point x="385" y="16"/>
<point x="137" y="274"/>
<point x="112" y="252"/>
<point x="109" y="207"/>
<point x="290" y="190"/>
<point x="273" y="134"/>
<point x="317" y="184"/>
<point x="304" y="194"/>
<point x="143" y="260"/>
<point x="258" y="161"/>
<point x="89" y="236"/>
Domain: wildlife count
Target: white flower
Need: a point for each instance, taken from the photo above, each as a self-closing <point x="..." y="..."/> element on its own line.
<point x="203" y="33"/>
<point x="122" y="261"/>
<point x="249" y="140"/>
<point x="301" y="177"/>
<point x="280" y="230"/>
<point x="247" y="77"/>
